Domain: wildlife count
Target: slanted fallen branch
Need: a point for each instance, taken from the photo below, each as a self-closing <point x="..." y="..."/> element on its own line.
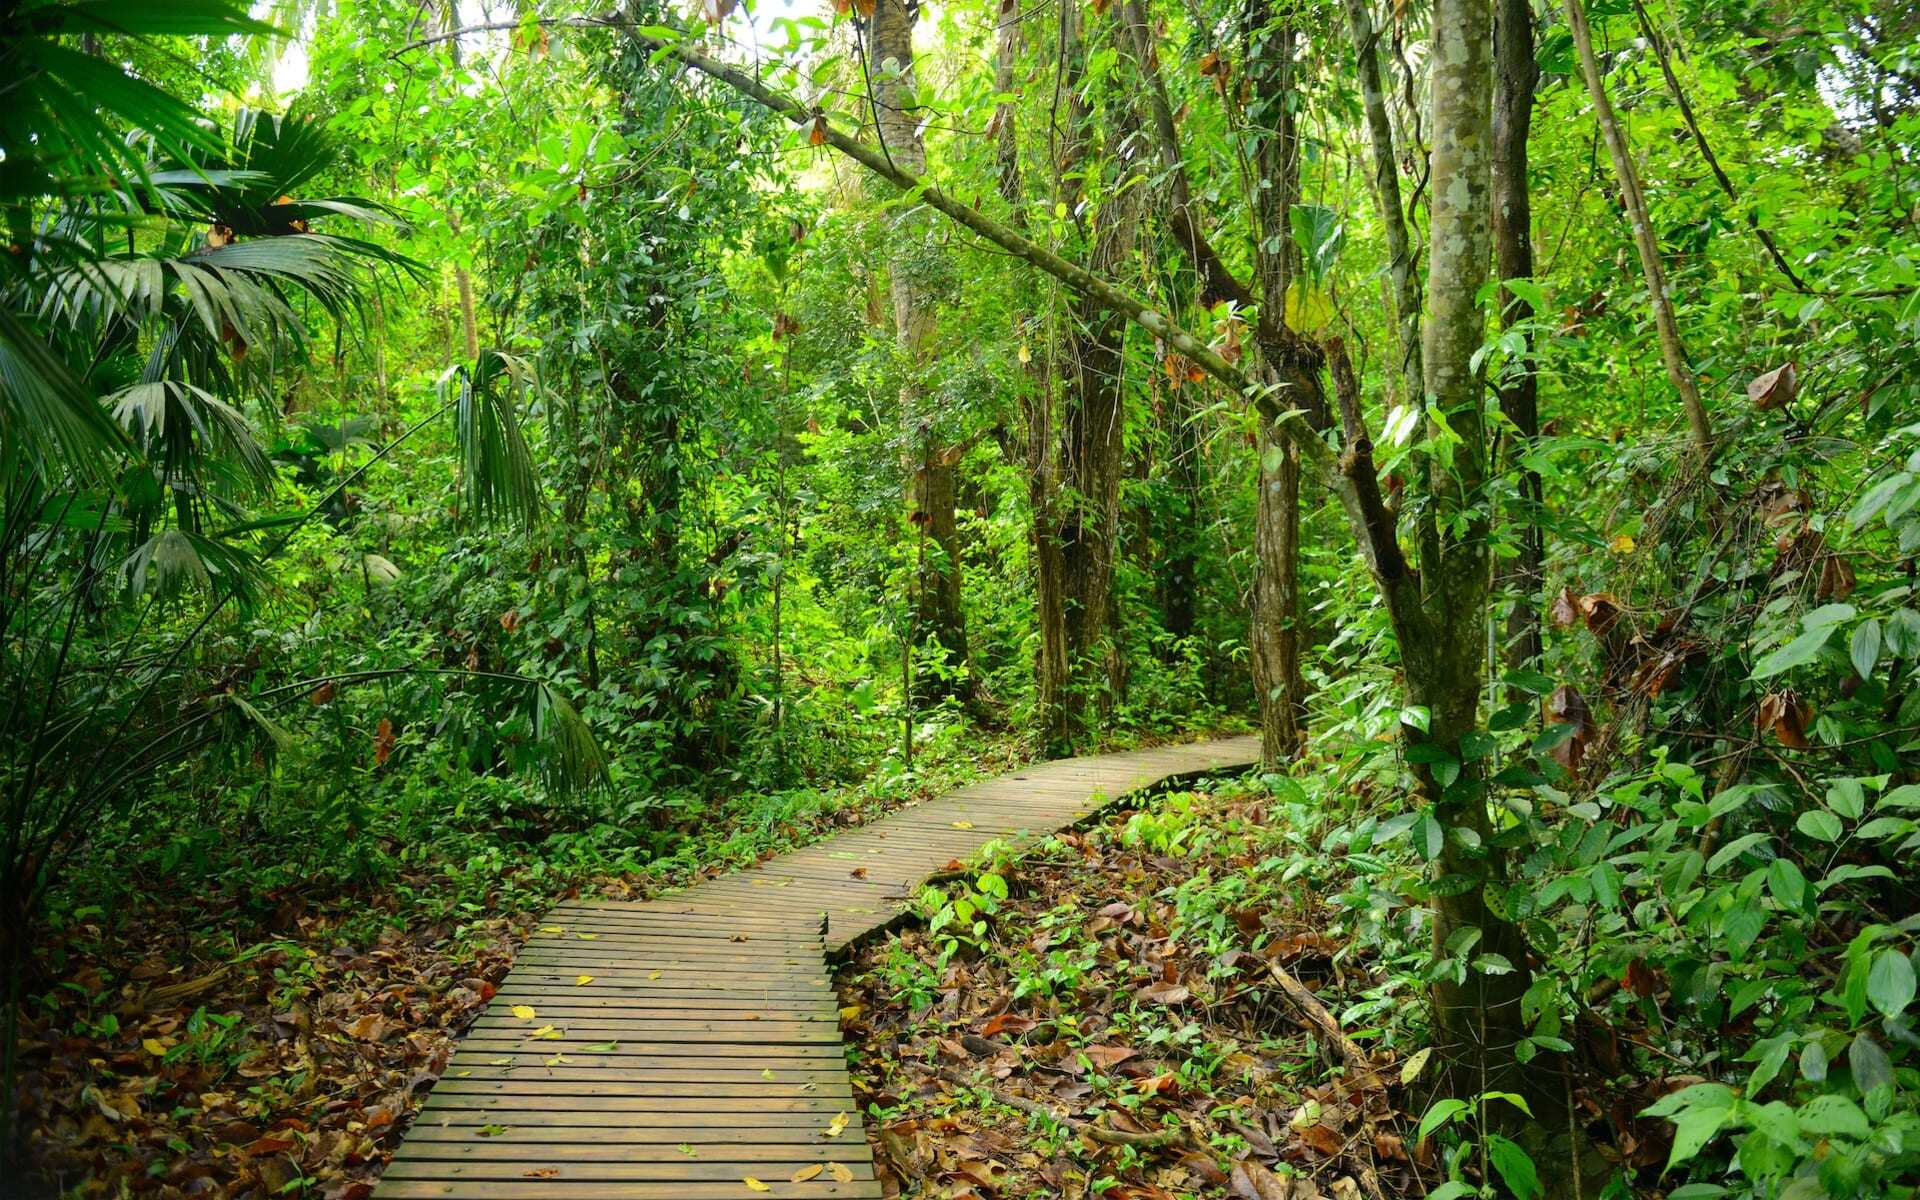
<point x="1323" y="1022"/>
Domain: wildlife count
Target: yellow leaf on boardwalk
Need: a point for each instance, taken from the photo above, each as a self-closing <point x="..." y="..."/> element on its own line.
<point x="806" y="1173"/>
<point x="583" y="981"/>
<point x="546" y="1031"/>
<point x="963" y="824"/>
<point x="653" y="975"/>
<point x="841" y="1172"/>
<point x="838" y="1125"/>
<point x="551" y="929"/>
<point x="524" y="1012"/>
<point x="755" y="1184"/>
<point x="586" y="937"/>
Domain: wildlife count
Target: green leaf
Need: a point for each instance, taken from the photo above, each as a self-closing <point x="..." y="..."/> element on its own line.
<point x="1743" y="926"/>
<point x="1813" y="1061"/>
<point x="1802" y="649"/>
<point x="1418" y="716"/>
<point x="1864" y="649"/>
<point x="1847" y="798"/>
<point x="1530" y="681"/>
<point x="1442" y="1112"/>
<point x="1875" y="499"/>
<point x="1871" y="1067"/>
<point x="496" y="468"/>
<point x="1428" y="836"/>
<point x="1772" y="1055"/>
<point x="1787" y="883"/>
<point x="1699" y="1095"/>
<point x="1515" y="1167"/>
<point x="1904" y="796"/>
<point x="1819" y="823"/>
<point x="1692" y="1130"/>
<point x="1513" y="1098"/>
<point x="1834" y="1116"/>
<point x="1733" y="850"/>
<point x="1890" y="983"/>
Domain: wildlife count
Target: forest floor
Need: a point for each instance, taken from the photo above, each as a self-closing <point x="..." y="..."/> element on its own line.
<point x="1087" y="1042"/>
<point x="222" y="1041"/>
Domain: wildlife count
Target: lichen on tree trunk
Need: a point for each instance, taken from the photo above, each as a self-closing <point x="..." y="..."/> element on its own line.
<point x="1443" y="631"/>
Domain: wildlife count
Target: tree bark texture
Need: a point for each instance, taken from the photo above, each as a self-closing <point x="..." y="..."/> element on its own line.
<point x="1276" y="631"/>
<point x="1515" y="76"/>
<point x="1274" y="636"/>
<point x="1386" y="192"/>
<point x="1443" y="636"/>
<point x="931" y="485"/>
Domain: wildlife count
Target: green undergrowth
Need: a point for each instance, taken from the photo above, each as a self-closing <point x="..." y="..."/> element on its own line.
<point x="1720" y="1024"/>
<point x="439" y="847"/>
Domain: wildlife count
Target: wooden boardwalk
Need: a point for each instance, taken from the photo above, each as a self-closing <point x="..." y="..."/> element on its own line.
<point x="677" y="1048"/>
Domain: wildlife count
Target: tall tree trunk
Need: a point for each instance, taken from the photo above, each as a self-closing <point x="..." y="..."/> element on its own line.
<point x="1386" y="193"/>
<point x="1180" y="537"/>
<point x="1672" y="351"/>
<point x="1276" y="632"/>
<point x="1052" y="673"/>
<point x="1476" y="1013"/>
<point x="1274" y="636"/>
<point x="463" y="283"/>
<point x="931" y="486"/>
<point x="1515" y="76"/>
<point x="1053" y="676"/>
<point x="1091" y="448"/>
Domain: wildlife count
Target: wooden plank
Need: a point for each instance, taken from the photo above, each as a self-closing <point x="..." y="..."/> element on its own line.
<point x="792" y="1062"/>
<point x="652" y="1149"/>
<point x="590" y="1000"/>
<point x="785" y="1066"/>
<point x="719" y="1108"/>
<point x="684" y="1121"/>
<point x="688" y="1169"/>
<point x="763" y="1033"/>
<point x="756" y="1050"/>
<point x="545" y="1083"/>
<point x="555" y="1189"/>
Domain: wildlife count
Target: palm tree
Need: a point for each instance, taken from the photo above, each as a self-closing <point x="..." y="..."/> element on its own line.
<point x="160" y="273"/>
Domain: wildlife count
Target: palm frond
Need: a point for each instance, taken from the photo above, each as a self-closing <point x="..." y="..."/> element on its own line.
<point x="574" y="760"/>
<point x="46" y="413"/>
<point x="171" y="419"/>
<point x="176" y="560"/>
<point x="496" y="468"/>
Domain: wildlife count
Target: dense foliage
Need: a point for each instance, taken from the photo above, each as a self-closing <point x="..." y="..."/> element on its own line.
<point x="451" y="458"/>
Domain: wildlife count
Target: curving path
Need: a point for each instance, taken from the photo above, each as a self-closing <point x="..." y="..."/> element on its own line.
<point x="689" y="1046"/>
